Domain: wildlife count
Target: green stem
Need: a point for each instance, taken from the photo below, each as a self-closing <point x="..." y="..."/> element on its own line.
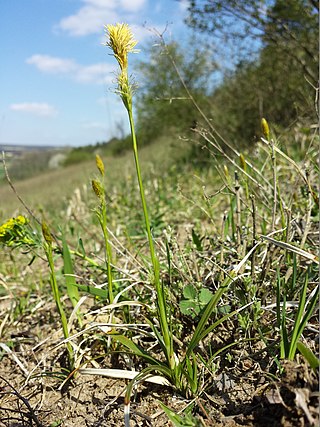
<point x="56" y="295"/>
<point x="85" y="258"/>
<point x="108" y="252"/>
<point x="167" y="336"/>
<point x="274" y="172"/>
<point x="143" y="200"/>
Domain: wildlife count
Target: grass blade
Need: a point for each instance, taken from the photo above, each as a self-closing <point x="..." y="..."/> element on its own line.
<point x="311" y="358"/>
<point x="198" y="333"/>
<point x="135" y="349"/>
<point x="68" y="270"/>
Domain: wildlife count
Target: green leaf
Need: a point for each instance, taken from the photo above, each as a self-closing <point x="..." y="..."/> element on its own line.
<point x="197" y="240"/>
<point x="135" y="348"/>
<point x="81" y="247"/>
<point x="205" y="296"/>
<point x="189" y="307"/>
<point x="224" y="309"/>
<point x="72" y="289"/>
<point x="189" y="292"/>
<point x="180" y="420"/>
<point x="311" y="358"/>
<point x="200" y="331"/>
<point x="303" y="315"/>
<point x="91" y="290"/>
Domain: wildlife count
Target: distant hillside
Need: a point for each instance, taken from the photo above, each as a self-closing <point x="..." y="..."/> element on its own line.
<point x="19" y="149"/>
<point x="29" y="160"/>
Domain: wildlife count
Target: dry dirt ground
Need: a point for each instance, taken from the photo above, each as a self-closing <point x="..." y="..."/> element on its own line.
<point x="241" y="393"/>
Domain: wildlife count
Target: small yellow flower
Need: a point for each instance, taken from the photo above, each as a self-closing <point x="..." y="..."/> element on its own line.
<point x="11" y="224"/>
<point x="120" y="40"/>
<point x="21" y="220"/>
<point x="14" y="232"/>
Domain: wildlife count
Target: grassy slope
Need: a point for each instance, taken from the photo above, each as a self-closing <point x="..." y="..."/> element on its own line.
<point x="50" y="190"/>
<point x="200" y="259"/>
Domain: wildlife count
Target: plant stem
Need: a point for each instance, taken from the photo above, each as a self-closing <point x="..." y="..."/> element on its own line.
<point x="254" y="240"/>
<point x="108" y="252"/>
<point x="167" y="336"/>
<point x="154" y="259"/>
<point x="56" y="295"/>
<point x="274" y="172"/>
<point x="238" y="212"/>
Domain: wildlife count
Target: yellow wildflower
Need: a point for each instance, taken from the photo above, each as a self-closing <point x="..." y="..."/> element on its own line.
<point x="14" y="232"/>
<point x="121" y="42"/>
<point x="11" y="224"/>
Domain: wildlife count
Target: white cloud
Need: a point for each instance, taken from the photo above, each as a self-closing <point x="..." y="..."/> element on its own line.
<point x="88" y="20"/>
<point x="94" y="14"/>
<point x="94" y="73"/>
<point x="140" y="32"/>
<point x="132" y="5"/>
<point x="184" y="4"/>
<point x="52" y="64"/>
<point x="38" y="108"/>
<point x="94" y="125"/>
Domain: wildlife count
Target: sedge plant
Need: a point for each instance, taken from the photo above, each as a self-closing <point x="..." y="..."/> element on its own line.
<point x="48" y="249"/>
<point x="182" y="374"/>
<point x="120" y="40"/>
<point x="290" y="338"/>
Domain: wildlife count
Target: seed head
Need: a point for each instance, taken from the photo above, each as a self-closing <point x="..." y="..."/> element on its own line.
<point x="46" y="233"/>
<point x="96" y="186"/>
<point x="265" y="128"/>
<point x="243" y="162"/>
<point x="100" y="164"/>
<point x="121" y="42"/>
<point x="226" y="171"/>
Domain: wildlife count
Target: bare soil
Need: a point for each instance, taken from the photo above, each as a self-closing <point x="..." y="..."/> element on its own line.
<point x="243" y="392"/>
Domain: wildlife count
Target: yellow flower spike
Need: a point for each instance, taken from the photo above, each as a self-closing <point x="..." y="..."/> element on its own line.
<point x="121" y="42"/>
<point x="243" y="162"/>
<point x="226" y="171"/>
<point x="100" y="164"/>
<point x="265" y="128"/>
<point x="96" y="186"/>
<point x="46" y="233"/>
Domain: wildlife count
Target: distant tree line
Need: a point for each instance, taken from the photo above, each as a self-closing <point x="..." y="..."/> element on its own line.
<point x="274" y="75"/>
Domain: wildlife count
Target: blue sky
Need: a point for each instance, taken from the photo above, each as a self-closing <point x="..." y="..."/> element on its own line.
<point x="56" y="77"/>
